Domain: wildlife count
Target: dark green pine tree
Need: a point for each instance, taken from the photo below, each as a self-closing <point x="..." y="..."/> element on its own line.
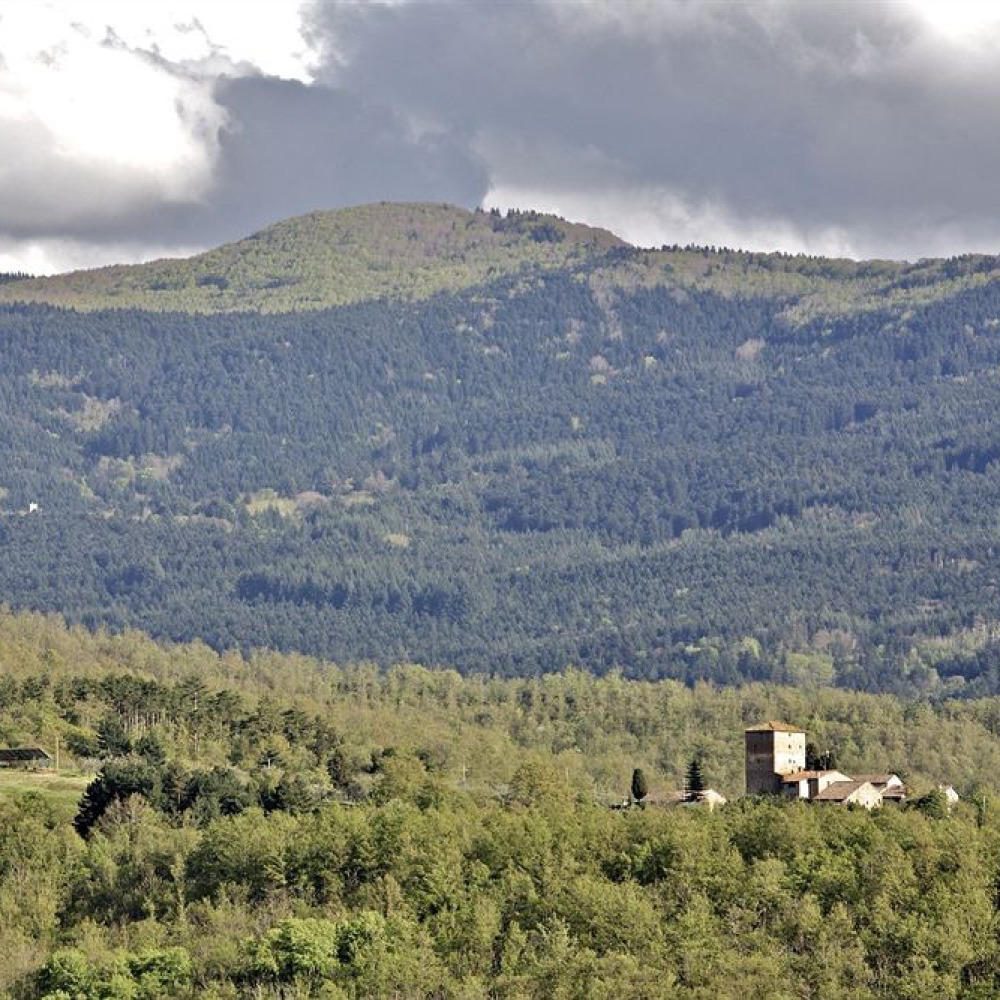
<point x="694" y="781"/>
<point x="291" y="795"/>
<point x="112" y="737"/>
<point x="338" y="767"/>
<point x="817" y="761"/>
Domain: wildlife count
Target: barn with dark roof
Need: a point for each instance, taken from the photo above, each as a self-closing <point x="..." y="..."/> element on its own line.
<point x="25" y="757"/>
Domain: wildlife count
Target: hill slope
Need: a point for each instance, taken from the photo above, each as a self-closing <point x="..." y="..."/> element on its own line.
<point x="413" y="251"/>
<point x="330" y="259"/>
<point x="683" y="462"/>
<point x="419" y="825"/>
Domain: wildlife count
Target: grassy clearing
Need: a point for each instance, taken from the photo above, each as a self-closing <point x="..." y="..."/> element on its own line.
<point x="62" y="790"/>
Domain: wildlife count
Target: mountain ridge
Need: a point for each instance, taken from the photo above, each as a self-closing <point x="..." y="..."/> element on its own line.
<point x="412" y="251"/>
<point x="331" y="258"/>
<point x="685" y="462"/>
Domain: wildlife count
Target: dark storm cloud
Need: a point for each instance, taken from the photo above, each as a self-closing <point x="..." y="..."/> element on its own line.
<point x="292" y="148"/>
<point x="824" y="115"/>
<point x="287" y="149"/>
<point x="745" y="121"/>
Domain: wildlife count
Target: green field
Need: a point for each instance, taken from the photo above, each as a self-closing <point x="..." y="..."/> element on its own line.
<point x="63" y="790"/>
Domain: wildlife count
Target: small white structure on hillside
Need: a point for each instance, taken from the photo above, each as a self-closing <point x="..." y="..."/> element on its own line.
<point x="709" y="799"/>
<point x="950" y="794"/>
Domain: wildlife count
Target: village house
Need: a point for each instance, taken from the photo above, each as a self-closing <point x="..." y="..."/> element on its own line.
<point x="775" y="764"/>
<point x="808" y="784"/>
<point x="775" y="759"/>
<point x="851" y="793"/>
<point x="890" y="785"/>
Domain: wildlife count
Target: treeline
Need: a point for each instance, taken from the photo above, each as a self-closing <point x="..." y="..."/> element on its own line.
<point x="107" y="696"/>
<point x="536" y="473"/>
<point x="278" y="826"/>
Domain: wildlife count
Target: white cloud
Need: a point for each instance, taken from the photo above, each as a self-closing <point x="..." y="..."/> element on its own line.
<point x="206" y="37"/>
<point x="56" y="255"/>
<point x="656" y="216"/>
<point x="98" y="108"/>
<point x="107" y="109"/>
<point x="653" y="216"/>
<point x="970" y="24"/>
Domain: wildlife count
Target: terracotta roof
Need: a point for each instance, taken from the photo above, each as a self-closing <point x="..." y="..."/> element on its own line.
<point x="774" y="727"/>
<point x="800" y="776"/>
<point x="876" y="779"/>
<point x="809" y="775"/>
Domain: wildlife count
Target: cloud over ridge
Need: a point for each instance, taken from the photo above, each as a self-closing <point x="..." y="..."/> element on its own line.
<point x="857" y="129"/>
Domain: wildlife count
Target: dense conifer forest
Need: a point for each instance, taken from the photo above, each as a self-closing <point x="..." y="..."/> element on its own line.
<point x="553" y="450"/>
<point x="359" y="571"/>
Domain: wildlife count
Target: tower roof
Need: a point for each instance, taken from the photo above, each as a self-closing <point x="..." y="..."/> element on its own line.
<point x="774" y="727"/>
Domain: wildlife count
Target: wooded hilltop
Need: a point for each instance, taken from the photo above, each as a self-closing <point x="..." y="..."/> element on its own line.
<point x="353" y="571"/>
<point x="508" y="444"/>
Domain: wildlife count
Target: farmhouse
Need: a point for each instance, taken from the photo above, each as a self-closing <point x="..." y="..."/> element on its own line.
<point x="808" y="784"/>
<point x="775" y="757"/>
<point x="846" y="793"/>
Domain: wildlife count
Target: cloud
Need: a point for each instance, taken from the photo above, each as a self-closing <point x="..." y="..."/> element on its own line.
<point x="857" y="125"/>
<point x="53" y="254"/>
<point x="90" y="130"/>
<point x="865" y="129"/>
<point x="109" y="116"/>
<point x="292" y="148"/>
<point x="155" y="127"/>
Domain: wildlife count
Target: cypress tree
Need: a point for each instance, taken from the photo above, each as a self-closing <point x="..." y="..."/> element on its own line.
<point x="640" y="786"/>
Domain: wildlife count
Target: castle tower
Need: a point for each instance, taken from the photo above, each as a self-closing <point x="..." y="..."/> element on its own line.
<point x="773" y="749"/>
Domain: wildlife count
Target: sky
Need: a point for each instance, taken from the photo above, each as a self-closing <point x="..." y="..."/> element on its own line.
<point x="130" y="130"/>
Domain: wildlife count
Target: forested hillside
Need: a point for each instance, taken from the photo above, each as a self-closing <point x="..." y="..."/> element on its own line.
<point x="276" y="826"/>
<point x="330" y="259"/>
<point x="517" y="450"/>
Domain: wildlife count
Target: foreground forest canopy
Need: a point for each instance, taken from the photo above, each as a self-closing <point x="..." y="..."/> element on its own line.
<point x="277" y="827"/>
<point x="511" y="444"/>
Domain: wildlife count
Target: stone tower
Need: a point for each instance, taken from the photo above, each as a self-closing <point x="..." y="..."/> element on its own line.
<point x="772" y="750"/>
